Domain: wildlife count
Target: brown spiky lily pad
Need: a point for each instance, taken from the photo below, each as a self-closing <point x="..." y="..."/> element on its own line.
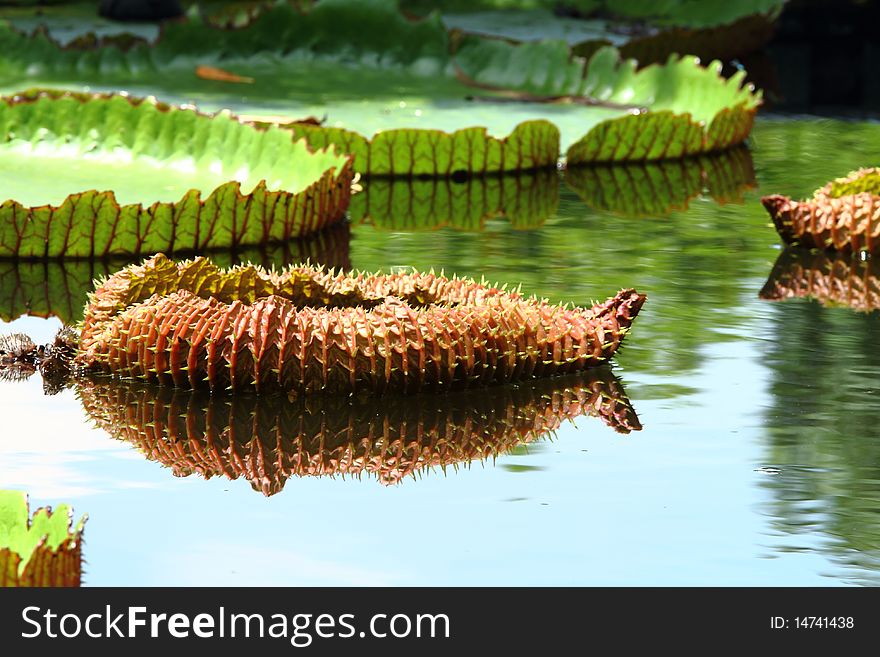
<point x="832" y="279"/>
<point x="844" y="215"/>
<point x="267" y="440"/>
<point x="43" y="550"/>
<point x="307" y="330"/>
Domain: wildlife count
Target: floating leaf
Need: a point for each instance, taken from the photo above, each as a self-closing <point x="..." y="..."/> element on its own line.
<point x="43" y="550"/>
<point x="306" y="330"/>
<point x="844" y="215"/>
<point x="656" y="189"/>
<point x="526" y="200"/>
<point x="612" y="15"/>
<point x="647" y="31"/>
<point x="832" y="279"/>
<point x="60" y="288"/>
<point x="266" y="440"/>
<point x="307" y="190"/>
<point x="221" y="75"/>
<point x="343" y="54"/>
<point x="412" y="152"/>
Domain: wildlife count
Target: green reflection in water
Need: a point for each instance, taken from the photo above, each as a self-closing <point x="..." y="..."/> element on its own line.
<point x="823" y="429"/>
<point x="702" y="268"/>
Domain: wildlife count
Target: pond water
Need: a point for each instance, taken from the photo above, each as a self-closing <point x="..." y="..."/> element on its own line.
<point x="757" y="463"/>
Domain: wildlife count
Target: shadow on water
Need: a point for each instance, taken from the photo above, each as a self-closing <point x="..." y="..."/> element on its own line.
<point x="823" y="429"/>
<point x="267" y="440"/>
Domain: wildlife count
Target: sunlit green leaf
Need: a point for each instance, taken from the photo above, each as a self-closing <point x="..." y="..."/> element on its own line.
<point x="43" y="550"/>
<point x="344" y="56"/>
<point x="290" y="191"/>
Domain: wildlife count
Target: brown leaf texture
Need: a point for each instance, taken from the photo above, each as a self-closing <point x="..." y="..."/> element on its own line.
<point x="308" y="330"/>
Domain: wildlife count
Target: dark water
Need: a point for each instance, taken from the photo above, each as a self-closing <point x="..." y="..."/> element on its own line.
<point x="758" y="461"/>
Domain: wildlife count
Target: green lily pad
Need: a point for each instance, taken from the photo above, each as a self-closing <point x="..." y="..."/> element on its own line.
<point x="42" y="550"/>
<point x="644" y="30"/>
<point x="268" y="186"/>
<point x="676" y="13"/>
<point x="372" y="71"/>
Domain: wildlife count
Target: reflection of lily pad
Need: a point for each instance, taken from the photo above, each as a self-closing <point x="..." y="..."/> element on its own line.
<point x="657" y="188"/>
<point x="306" y="330"/>
<point x="526" y="200"/>
<point x="42" y="550"/>
<point x="114" y="140"/>
<point x="269" y="439"/>
<point x="832" y="279"/>
<point x="59" y="288"/>
<point x="344" y="55"/>
<point x="844" y="215"/>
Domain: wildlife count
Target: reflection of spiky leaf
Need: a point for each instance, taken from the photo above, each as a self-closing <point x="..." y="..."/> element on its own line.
<point x="844" y="215"/>
<point x="268" y="439"/>
<point x="527" y="200"/>
<point x="684" y="108"/>
<point x="657" y="188"/>
<point x="307" y="330"/>
<point x="312" y="188"/>
<point x="44" y="550"/>
<point x="832" y="279"/>
<point x="59" y="288"/>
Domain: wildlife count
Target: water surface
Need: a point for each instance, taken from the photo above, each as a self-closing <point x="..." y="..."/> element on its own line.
<point x="758" y="461"/>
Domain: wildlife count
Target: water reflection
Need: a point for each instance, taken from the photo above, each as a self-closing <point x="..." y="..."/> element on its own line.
<point x="58" y="288"/>
<point x="823" y="429"/>
<point x="268" y="439"/>
<point x="656" y="189"/>
<point x="527" y="200"/>
<point x="832" y="279"/>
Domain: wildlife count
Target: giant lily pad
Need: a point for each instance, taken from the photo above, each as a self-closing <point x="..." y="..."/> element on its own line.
<point x="844" y="215"/>
<point x="267" y="440"/>
<point x="645" y="30"/>
<point x="344" y="57"/>
<point x="309" y="331"/>
<point x="42" y="550"/>
<point x="289" y="190"/>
